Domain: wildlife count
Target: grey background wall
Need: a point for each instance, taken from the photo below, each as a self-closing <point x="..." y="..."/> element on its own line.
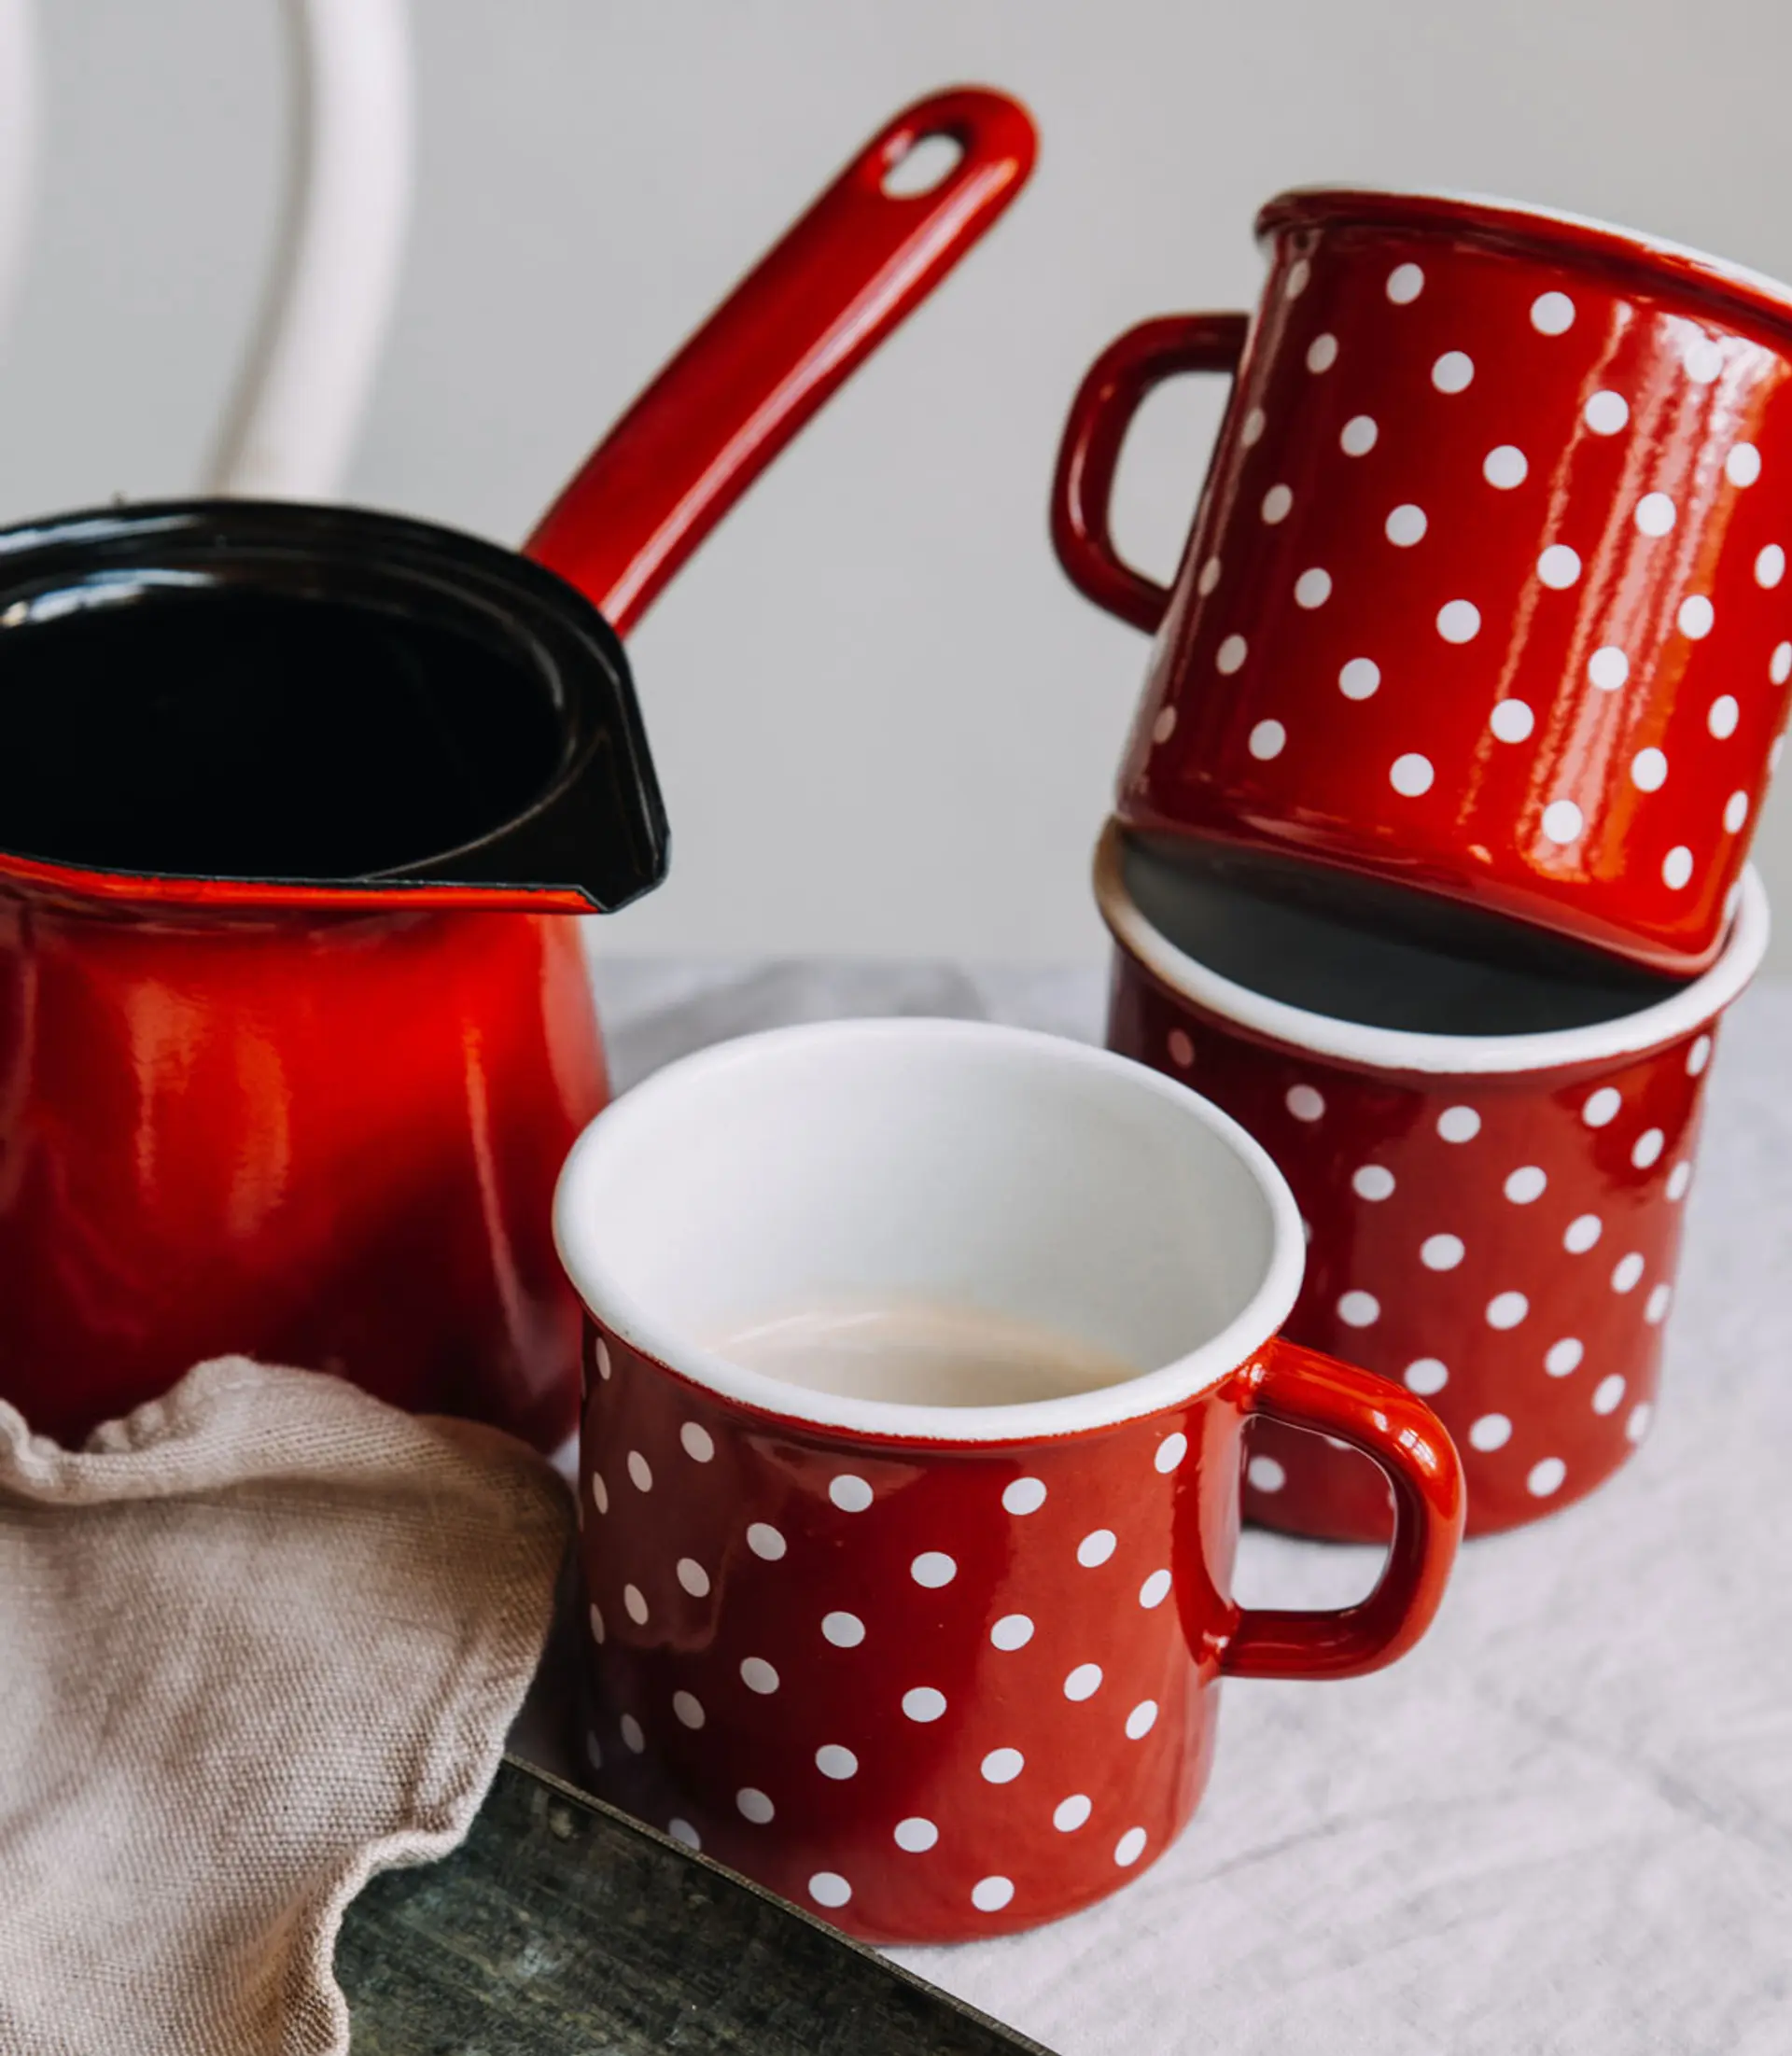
<point x="884" y="722"/>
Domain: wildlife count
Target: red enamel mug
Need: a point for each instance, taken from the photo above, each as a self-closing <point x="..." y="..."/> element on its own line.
<point x="945" y="1669"/>
<point x="1490" y="1161"/>
<point x="1485" y="592"/>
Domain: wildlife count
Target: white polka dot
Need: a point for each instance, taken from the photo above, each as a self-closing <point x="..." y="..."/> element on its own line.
<point x="1024" y="1495"/>
<point x="1357" y="437"/>
<point x="1552" y="313"/>
<point x="1372" y="1181"/>
<point x="1426" y="1374"/>
<point x="640" y="1477"/>
<point x="754" y="1805"/>
<point x="1512" y="721"/>
<point x="844" y="1630"/>
<point x="1459" y="1124"/>
<point x="1608" y="667"/>
<point x="1491" y="1432"/>
<point x="1210" y="577"/>
<point x="1141" y="1720"/>
<point x="1452" y="371"/>
<point x="1626" y="1272"/>
<point x="1182" y="1051"/>
<point x="933" y="1568"/>
<point x="1406" y="282"/>
<point x="1129" y="1848"/>
<point x="1171" y="1451"/>
<point x="1305" y="1103"/>
<point x="1441" y="1253"/>
<point x="923" y="1703"/>
<point x="600" y="1356"/>
<point x="1545" y="1477"/>
<point x="757" y="1676"/>
<point x="1299" y="272"/>
<point x="1358" y="1309"/>
<point x="1563" y="821"/>
<point x="1562" y="1359"/>
<point x="1696" y="616"/>
<point x="1164" y="727"/>
<point x="1559" y="566"/>
<point x="1267" y="740"/>
<point x="1601" y="1107"/>
<point x="688" y="1708"/>
<point x="765" y="1541"/>
<point x="829" y="1888"/>
<point x="693" y="1577"/>
<point x="1704" y="360"/>
<point x="1655" y="515"/>
<point x="1679" y="1178"/>
<point x="1647" y="1148"/>
<point x="1156" y="1590"/>
<point x="594" y="1751"/>
<point x="1581" y="1232"/>
<point x="1012" y="1632"/>
<point x="631" y="1733"/>
<point x="1003" y="1766"/>
<point x="1608" y="1394"/>
<point x="699" y="1444"/>
<point x="1096" y="1548"/>
<point x="597" y="1620"/>
<point x="1770" y="566"/>
<point x="1266" y="1475"/>
<point x="1276" y="503"/>
<point x="1083" y="1682"/>
<point x="1359" y="678"/>
<point x="1656" y="1312"/>
<point x="1459" y="621"/>
<point x="1648" y="770"/>
<point x="1676" y="867"/>
<point x="1735" y="811"/>
<point x="1526" y="1183"/>
<point x="1723" y="716"/>
<point x="1321" y="353"/>
<point x="1698" y="1057"/>
<point x="916" y="1834"/>
<point x="833" y="1761"/>
<point x="1779" y="667"/>
<point x="1507" y="1309"/>
<point x="1229" y="655"/>
<point x="1637" y="1426"/>
<point x="1312" y="588"/>
<point x="851" y="1495"/>
<point x="1504" y="466"/>
<point x="1742" y="465"/>
<point x="1411" y="775"/>
<point x="1406" y="525"/>
<point x="1070" y="1814"/>
<point x="1251" y="433"/>
<point x="599" y="1492"/>
<point x="635" y="1603"/>
<point x="990" y="1895"/>
<point x="1605" y="413"/>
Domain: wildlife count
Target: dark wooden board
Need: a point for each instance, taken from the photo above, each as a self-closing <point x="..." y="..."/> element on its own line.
<point x="562" y="1926"/>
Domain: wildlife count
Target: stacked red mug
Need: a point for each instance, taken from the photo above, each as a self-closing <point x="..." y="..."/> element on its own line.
<point x="1468" y="689"/>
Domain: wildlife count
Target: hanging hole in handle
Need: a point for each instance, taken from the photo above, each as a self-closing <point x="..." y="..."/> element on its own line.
<point x="924" y="167"/>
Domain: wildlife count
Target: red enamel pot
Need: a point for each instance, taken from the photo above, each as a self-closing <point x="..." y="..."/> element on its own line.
<point x="294" y="802"/>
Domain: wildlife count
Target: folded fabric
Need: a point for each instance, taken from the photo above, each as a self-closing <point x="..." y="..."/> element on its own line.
<point x="258" y="1640"/>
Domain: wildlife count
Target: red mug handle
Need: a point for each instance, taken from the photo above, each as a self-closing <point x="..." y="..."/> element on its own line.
<point x="1113" y="390"/>
<point x="1303" y="1388"/>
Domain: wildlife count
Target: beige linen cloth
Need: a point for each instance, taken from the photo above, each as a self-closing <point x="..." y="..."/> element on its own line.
<point x="257" y="1641"/>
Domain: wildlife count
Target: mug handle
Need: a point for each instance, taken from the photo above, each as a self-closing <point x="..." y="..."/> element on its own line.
<point x="1111" y="394"/>
<point x="1304" y="1389"/>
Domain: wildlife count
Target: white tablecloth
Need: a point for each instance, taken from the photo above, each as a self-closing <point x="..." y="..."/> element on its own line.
<point x="1564" y="1824"/>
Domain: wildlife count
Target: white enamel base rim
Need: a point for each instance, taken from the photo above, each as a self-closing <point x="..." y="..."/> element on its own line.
<point x="885" y="1420"/>
<point x="1694" y="1006"/>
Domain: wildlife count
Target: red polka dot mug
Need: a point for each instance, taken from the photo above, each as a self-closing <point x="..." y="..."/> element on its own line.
<point x="1490" y="1162"/>
<point x="944" y="1671"/>
<point x="1486" y="590"/>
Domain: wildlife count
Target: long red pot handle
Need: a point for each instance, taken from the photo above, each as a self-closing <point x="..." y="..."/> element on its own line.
<point x="1109" y="397"/>
<point x="793" y="329"/>
<point x="1401" y="1434"/>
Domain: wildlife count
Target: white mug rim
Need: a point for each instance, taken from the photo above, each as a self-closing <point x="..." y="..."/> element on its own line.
<point x="1169" y="1385"/>
<point x="1695" y="1006"/>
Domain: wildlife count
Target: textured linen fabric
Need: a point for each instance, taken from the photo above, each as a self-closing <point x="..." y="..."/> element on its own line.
<point x="258" y="1641"/>
<point x="1564" y="1826"/>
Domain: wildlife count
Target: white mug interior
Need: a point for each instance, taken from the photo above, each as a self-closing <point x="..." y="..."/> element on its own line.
<point x="951" y="1162"/>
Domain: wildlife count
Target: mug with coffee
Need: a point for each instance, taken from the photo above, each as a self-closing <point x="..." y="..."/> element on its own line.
<point x="920" y="1355"/>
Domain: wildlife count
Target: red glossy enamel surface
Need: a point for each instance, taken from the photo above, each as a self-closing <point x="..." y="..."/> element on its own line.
<point x="1486" y="591"/>
<point x="329" y="1140"/>
<point x="934" y="1691"/>
<point x="1504" y="1245"/>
